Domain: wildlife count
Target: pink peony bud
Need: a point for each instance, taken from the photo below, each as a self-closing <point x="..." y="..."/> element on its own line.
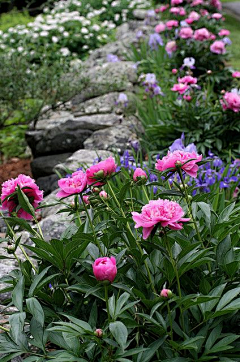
<point x="103" y="194"/>
<point x="139" y="174"/>
<point x="187" y="98"/>
<point x="236" y="74"/>
<point x="174" y="71"/>
<point x="98" y="332"/>
<point x="166" y="293"/>
<point x="105" y="269"/>
<point x="98" y="173"/>
<point x="86" y="200"/>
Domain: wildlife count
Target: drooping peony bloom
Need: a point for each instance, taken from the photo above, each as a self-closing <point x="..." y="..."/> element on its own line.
<point x="188" y="79"/>
<point x="180" y="158"/>
<point x="139" y="174"/>
<point x="236" y="74"/>
<point x="160" y="27"/>
<point x="98" y="173"/>
<point x="186" y="32"/>
<point x="164" y="212"/>
<point x="30" y="189"/>
<point x="202" y="34"/>
<point x="171" y="46"/>
<point x="171" y="24"/>
<point x="231" y="100"/>
<point x="166" y="293"/>
<point x="218" y="47"/>
<point x="224" y="32"/>
<point x="180" y="88"/>
<point x="74" y="184"/>
<point x="105" y="269"/>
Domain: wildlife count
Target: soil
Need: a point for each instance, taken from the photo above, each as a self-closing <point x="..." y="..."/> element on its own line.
<point x="13" y="167"/>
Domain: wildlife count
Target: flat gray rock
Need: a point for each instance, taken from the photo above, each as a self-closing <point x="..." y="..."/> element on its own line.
<point x="82" y="158"/>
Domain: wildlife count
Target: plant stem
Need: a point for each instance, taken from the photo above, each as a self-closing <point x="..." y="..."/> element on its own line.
<point x="170" y="321"/>
<point x="27" y="257"/>
<point x="177" y="278"/>
<point x="4" y="329"/>
<point x="138" y="245"/>
<point x="106" y="300"/>
<point x="145" y="193"/>
<point x="92" y="227"/>
<point x="189" y="206"/>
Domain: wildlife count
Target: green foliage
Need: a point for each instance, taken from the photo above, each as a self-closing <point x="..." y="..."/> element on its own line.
<point x="13" y="18"/>
<point x="62" y="304"/>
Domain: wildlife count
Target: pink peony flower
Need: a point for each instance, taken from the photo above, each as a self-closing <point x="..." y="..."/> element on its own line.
<point x="231" y="100"/>
<point x="218" y="47"/>
<point x="188" y="79"/>
<point x="171" y="46"/>
<point x="189" y="21"/>
<point x="202" y="34"/>
<point x="180" y="158"/>
<point x="224" y="32"/>
<point x="174" y="71"/>
<point x="176" y="2"/>
<point x="186" y="33"/>
<point x="160" y="28"/>
<point x="180" y="88"/>
<point x="187" y="98"/>
<point x="139" y="174"/>
<point x="162" y="8"/>
<point x="171" y="23"/>
<point x="86" y="200"/>
<point x="167" y="213"/>
<point x="217" y="4"/>
<point x="213" y="37"/>
<point x="166" y="293"/>
<point x="72" y="185"/>
<point x="236" y="74"/>
<point x="98" y="173"/>
<point x="217" y="16"/>
<point x="196" y="2"/>
<point x="174" y="10"/>
<point x="204" y="12"/>
<point x="105" y="269"/>
<point x="30" y="189"/>
<point x="182" y="12"/>
<point x="103" y="194"/>
<point x="194" y="15"/>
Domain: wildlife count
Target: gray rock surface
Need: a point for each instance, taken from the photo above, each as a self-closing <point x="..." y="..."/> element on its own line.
<point x="82" y="158"/>
<point x="43" y="166"/>
<point x="106" y="78"/>
<point x="232" y="8"/>
<point x="48" y="183"/>
<point x="114" y="138"/>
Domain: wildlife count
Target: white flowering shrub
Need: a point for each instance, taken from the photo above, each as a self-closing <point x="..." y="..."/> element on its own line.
<point x="70" y="29"/>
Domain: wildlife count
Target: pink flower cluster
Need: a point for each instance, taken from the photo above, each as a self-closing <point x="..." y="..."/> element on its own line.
<point x="28" y="187"/>
<point x="231" y="100"/>
<point x="218" y="47"/>
<point x="202" y="34"/>
<point x="180" y="88"/>
<point x="186" y="160"/>
<point x="164" y="212"/>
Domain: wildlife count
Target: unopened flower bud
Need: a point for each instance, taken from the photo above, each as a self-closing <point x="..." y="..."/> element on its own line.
<point x="166" y="293"/>
<point x="96" y="190"/>
<point x="223" y="91"/>
<point x="140" y="175"/>
<point x="174" y="71"/>
<point x="209" y="72"/>
<point x="103" y="194"/>
<point x="86" y="200"/>
<point x="98" y="333"/>
<point x="99" y="175"/>
<point x="178" y="164"/>
<point x="10" y="249"/>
